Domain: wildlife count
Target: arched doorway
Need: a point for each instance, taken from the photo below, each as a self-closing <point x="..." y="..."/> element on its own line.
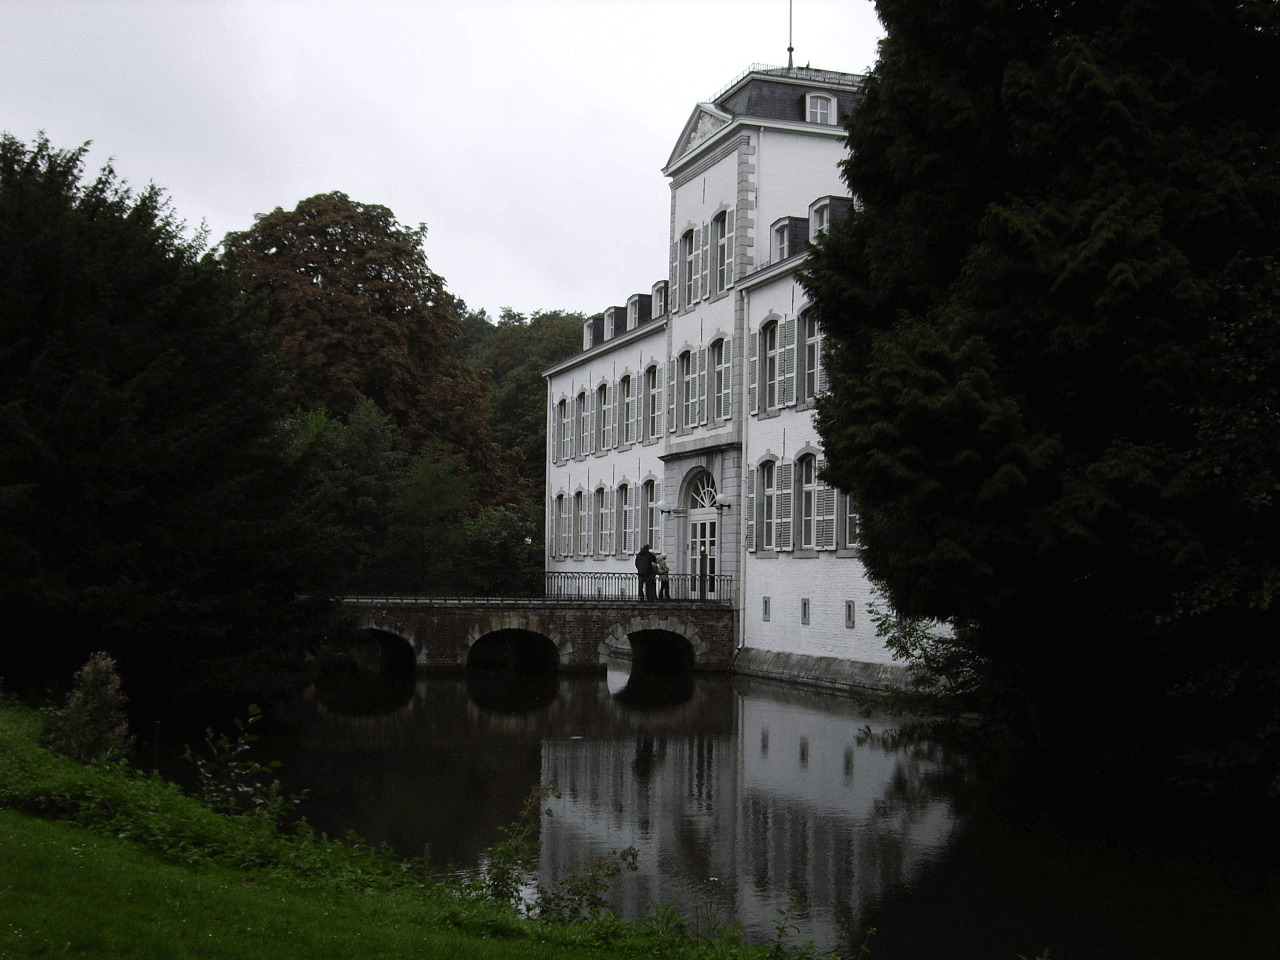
<point x="704" y="536"/>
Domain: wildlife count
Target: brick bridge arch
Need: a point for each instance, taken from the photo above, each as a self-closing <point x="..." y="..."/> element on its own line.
<point x="584" y="634"/>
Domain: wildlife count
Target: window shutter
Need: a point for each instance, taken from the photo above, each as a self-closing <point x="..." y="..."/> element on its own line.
<point x="729" y="225"/>
<point x="825" y="527"/>
<point x="702" y="384"/>
<point x="610" y="521"/>
<point x="610" y="421"/>
<point x="673" y="283"/>
<point x="551" y="526"/>
<point x="698" y="264"/>
<point x="706" y="260"/>
<point x="591" y="422"/>
<point x="753" y="340"/>
<point x="822" y="363"/>
<point x="749" y="515"/>
<point x="785" y="509"/>
<point x="659" y="384"/>
<point x="672" y="394"/>
<point x="727" y="353"/>
<point x="629" y="520"/>
<point x="615" y="405"/>
<point x="637" y="407"/>
<point x="787" y="358"/>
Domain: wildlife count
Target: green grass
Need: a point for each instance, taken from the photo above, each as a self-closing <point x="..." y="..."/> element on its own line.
<point x="69" y="892"/>
<point x="100" y="861"/>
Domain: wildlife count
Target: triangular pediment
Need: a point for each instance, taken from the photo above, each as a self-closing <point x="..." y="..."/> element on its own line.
<point x="703" y="123"/>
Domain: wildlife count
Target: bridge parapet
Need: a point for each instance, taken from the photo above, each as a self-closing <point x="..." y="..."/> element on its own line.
<point x="584" y="632"/>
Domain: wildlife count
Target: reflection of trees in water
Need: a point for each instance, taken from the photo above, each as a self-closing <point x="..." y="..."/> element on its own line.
<point x="931" y="763"/>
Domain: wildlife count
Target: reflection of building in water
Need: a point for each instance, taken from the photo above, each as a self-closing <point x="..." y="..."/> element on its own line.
<point x="827" y="812"/>
<point x="797" y="800"/>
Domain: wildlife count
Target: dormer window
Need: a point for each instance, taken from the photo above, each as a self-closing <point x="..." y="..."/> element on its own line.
<point x="659" y="298"/>
<point x="820" y="108"/>
<point x="781" y="234"/>
<point x="819" y="221"/>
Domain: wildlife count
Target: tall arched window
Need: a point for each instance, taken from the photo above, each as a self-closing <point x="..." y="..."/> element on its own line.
<point x="600" y="523"/>
<point x="566" y="431"/>
<point x="627" y="522"/>
<point x="720" y="386"/>
<point x="768" y="494"/>
<point x="722" y="237"/>
<point x="602" y="418"/>
<point x="813" y="379"/>
<point x="582" y="521"/>
<point x="627" y="410"/>
<point x="808" y="475"/>
<point x="584" y="425"/>
<point x="565" y="546"/>
<point x="688" y="373"/>
<point x="652" y="403"/>
<point x="652" y="527"/>
<point x="771" y="364"/>
<point x="689" y="268"/>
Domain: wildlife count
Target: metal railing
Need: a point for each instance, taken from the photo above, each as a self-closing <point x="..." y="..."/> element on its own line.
<point x="684" y="587"/>
<point x="536" y="585"/>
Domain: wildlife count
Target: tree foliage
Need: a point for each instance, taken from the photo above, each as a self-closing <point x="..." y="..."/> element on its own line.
<point x="512" y="354"/>
<point x="143" y="510"/>
<point x="1052" y="340"/>
<point x="357" y="313"/>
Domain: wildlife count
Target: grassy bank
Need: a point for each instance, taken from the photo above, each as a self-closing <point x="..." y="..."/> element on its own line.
<point x="102" y="861"/>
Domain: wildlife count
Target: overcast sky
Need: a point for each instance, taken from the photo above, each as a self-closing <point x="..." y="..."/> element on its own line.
<point x="528" y="136"/>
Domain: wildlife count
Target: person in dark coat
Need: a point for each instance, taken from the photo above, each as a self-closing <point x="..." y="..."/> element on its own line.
<point x="646" y="568"/>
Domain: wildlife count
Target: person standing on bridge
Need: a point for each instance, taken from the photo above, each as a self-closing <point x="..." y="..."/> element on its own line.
<point x="646" y="568"/>
<point x="664" y="572"/>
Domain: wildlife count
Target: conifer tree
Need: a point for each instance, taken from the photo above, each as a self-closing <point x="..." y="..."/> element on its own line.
<point x="1052" y="347"/>
<point x="143" y="510"/>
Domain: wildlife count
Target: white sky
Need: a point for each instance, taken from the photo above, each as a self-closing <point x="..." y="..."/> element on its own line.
<point x="528" y="136"/>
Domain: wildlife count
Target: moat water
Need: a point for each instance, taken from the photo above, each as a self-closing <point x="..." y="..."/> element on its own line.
<point x="761" y="805"/>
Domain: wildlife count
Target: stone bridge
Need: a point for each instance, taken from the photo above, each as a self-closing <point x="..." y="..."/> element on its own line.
<point x="562" y="634"/>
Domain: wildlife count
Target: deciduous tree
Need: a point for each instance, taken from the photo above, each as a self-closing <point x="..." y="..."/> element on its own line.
<point x="357" y="312"/>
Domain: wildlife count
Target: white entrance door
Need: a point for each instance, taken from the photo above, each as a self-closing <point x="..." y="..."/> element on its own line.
<point x="703" y="552"/>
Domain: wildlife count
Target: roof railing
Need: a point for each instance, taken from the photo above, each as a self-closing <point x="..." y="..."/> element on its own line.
<point x="811" y="74"/>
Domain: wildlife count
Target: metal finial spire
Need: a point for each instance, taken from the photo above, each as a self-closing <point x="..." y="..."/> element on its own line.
<point x="790" y="48"/>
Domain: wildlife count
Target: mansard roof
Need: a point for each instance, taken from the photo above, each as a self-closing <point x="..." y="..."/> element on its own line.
<point x="761" y="92"/>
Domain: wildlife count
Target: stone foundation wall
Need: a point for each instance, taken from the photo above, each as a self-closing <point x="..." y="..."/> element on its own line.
<point x="824" y="673"/>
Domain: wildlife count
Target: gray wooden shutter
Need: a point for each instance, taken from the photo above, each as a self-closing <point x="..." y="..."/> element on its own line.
<point x="749" y="515"/>
<point x="706" y="261"/>
<point x="825" y="513"/>
<point x="673" y="283"/>
<point x="730" y="218"/>
<point x="753" y="341"/>
<point x="783" y="514"/>
<point x="702" y="384"/>
<point x="610" y="521"/>
<point x="673" y="394"/>
<point x="787" y="360"/>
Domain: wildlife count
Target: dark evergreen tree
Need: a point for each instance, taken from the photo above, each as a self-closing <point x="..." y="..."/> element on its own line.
<point x="1052" y="346"/>
<point x="143" y="510"/>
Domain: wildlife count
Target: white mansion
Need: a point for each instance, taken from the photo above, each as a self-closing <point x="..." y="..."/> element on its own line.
<point x="687" y="420"/>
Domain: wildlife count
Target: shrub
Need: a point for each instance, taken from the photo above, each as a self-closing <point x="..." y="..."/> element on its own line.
<point x="92" y="726"/>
